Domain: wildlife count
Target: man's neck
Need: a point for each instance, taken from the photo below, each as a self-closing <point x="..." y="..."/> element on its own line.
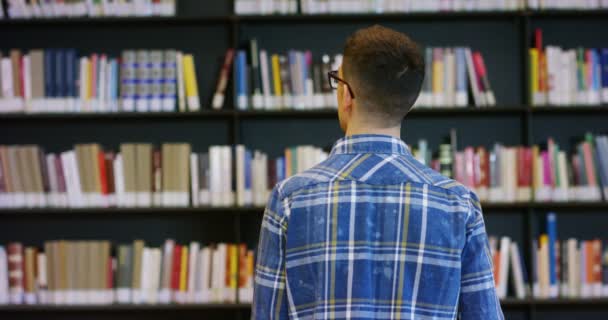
<point x="392" y="131"/>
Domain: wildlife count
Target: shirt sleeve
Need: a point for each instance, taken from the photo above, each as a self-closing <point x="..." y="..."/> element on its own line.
<point x="270" y="297"/>
<point x="478" y="298"/>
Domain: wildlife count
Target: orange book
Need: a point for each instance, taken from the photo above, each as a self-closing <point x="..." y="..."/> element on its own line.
<point x="250" y="268"/>
<point x="242" y="265"/>
<point x="589" y="263"/>
<point x="597" y="261"/>
<point x="288" y="168"/>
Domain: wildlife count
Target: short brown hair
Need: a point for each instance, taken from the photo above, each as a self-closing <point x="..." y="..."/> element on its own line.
<point x="386" y="70"/>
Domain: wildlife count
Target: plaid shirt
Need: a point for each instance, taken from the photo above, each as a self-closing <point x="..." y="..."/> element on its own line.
<point x="371" y="233"/>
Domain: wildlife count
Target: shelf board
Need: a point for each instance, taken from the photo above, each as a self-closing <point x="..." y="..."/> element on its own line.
<point x="551" y="110"/>
<point x="601" y="13"/>
<point x="371" y="17"/>
<point x="114" y="21"/>
<point x="487" y="207"/>
<point x="125" y="307"/>
<point x="204" y="114"/>
<point x="505" y="303"/>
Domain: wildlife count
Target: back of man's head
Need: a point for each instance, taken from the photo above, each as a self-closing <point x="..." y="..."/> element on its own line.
<point x="385" y="69"/>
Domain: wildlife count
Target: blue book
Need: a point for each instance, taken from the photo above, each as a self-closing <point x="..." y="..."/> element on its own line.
<point x="605" y="73"/>
<point x="461" y="78"/>
<point x="71" y="72"/>
<point x="49" y="73"/>
<point x="304" y="68"/>
<point x="597" y="71"/>
<point x="292" y="58"/>
<point x="114" y="83"/>
<point x="280" y="169"/>
<point x="248" y="170"/>
<point x="60" y="73"/>
<point x="552" y="234"/>
<point x="241" y="76"/>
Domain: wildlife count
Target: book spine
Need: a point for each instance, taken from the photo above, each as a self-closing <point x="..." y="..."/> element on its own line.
<point x="220" y="91"/>
<point x="16" y="273"/>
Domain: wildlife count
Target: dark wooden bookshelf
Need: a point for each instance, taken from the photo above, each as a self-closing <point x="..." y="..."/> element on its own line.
<point x="207" y="31"/>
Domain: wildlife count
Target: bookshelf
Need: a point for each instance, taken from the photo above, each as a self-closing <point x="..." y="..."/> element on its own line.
<point x="207" y="31"/>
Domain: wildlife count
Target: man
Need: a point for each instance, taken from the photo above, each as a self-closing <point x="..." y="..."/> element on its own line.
<point x="371" y="233"/>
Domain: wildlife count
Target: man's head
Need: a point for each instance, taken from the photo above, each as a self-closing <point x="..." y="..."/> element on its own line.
<point x="384" y="70"/>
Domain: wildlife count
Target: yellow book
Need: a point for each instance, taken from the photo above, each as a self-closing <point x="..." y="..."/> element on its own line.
<point x="191" y="84"/>
<point x="183" y="273"/>
<point x="234" y="266"/>
<point x="438" y="75"/>
<point x="276" y="75"/>
<point x="534" y="87"/>
<point x="250" y="269"/>
<point x="543" y="266"/>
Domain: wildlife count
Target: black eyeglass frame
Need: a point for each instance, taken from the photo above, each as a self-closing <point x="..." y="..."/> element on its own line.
<point x="334" y="75"/>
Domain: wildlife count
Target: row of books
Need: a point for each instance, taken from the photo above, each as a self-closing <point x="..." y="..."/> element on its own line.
<point x="390" y="6"/>
<point x="386" y="6"/>
<point x="449" y="72"/>
<point x="569" y="268"/>
<point x="567" y="4"/>
<point x="58" y="80"/>
<point x="93" y="272"/>
<point x="35" y="9"/>
<point x="521" y="174"/>
<point x="283" y="81"/>
<point x="245" y="7"/>
<point x="141" y="175"/>
<point x="565" y="77"/>
<point x="509" y="268"/>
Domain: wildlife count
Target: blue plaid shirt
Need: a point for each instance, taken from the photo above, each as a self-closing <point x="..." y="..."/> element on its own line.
<point x="371" y="233"/>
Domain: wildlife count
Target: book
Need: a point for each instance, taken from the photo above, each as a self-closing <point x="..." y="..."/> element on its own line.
<point x="86" y="9"/>
<point x="62" y="81"/>
<point x="273" y="81"/>
<point x="313" y="7"/>
<point x="82" y="273"/>
<point x="220" y="91"/>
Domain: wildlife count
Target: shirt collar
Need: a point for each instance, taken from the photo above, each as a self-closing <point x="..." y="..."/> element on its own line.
<point x="370" y="143"/>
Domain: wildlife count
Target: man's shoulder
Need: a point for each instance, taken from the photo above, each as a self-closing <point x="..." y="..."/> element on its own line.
<point x="330" y="170"/>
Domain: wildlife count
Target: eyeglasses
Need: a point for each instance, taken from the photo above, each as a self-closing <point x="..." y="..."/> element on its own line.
<point x="334" y="81"/>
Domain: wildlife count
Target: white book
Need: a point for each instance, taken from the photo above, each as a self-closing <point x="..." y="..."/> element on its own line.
<point x="154" y="282"/>
<point x="216" y="275"/>
<point x="119" y="181"/>
<point x="574" y="283"/>
<point x="215" y="181"/>
<point x="53" y="194"/>
<point x="194" y="183"/>
<point x="265" y="80"/>
<point x="4" y="287"/>
<point x="102" y="85"/>
<point x="203" y="280"/>
<point x="240" y="175"/>
<point x="517" y="272"/>
<point x="72" y="177"/>
<point x="146" y="277"/>
<point x="228" y="194"/>
<point x="553" y="67"/>
<point x="41" y="279"/>
<point x="165" y="277"/>
<point x="193" y="269"/>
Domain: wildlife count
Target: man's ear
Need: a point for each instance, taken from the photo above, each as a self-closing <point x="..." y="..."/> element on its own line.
<point x="347" y="100"/>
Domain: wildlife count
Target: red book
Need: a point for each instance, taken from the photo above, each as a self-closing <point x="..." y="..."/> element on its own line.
<point x="157" y="171"/>
<point x="103" y="177"/>
<point x="524" y="167"/>
<point x="484" y="164"/>
<point x="16" y="269"/>
<point x="93" y="75"/>
<point x="218" y="99"/>
<point x="109" y="163"/>
<point x="61" y="184"/>
<point x="111" y="270"/>
<point x="177" y="265"/>
<point x="22" y="75"/>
